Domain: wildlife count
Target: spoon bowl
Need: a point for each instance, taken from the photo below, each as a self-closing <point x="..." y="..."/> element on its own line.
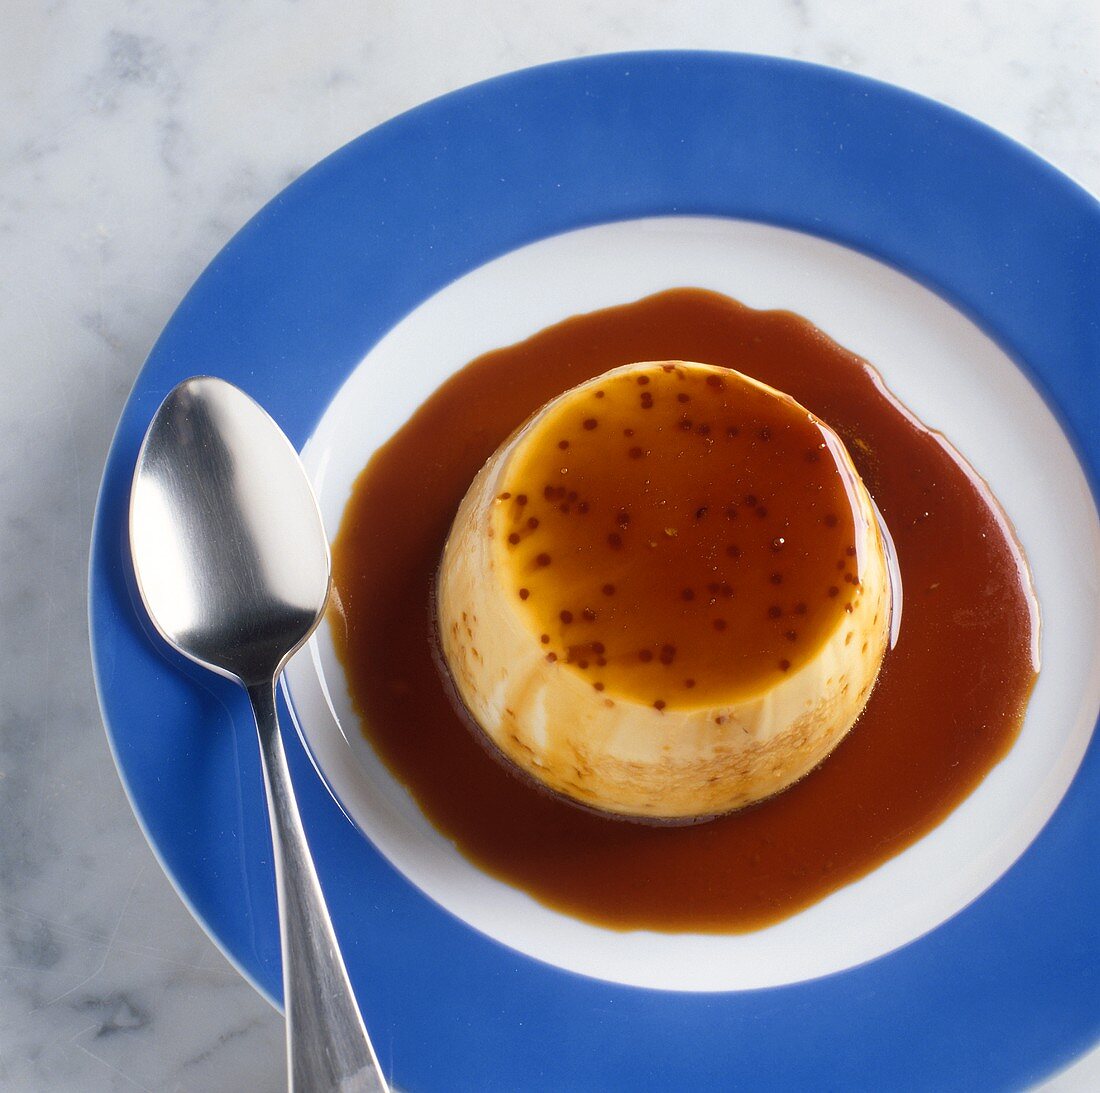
<point x="229" y="550"/>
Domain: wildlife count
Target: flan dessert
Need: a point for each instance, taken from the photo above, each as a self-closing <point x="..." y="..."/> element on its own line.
<point x="666" y="595"/>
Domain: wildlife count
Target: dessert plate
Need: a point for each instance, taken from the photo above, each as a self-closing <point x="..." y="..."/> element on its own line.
<point x="961" y="264"/>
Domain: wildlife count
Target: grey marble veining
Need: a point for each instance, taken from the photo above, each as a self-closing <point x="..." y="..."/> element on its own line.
<point x="135" y="138"/>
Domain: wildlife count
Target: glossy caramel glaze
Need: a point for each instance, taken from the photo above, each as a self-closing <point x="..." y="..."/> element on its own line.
<point x="681" y="535"/>
<point x="949" y="701"/>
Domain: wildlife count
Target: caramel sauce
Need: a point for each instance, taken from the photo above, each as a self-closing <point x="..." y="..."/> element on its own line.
<point x="948" y="704"/>
<point x="679" y="535"/>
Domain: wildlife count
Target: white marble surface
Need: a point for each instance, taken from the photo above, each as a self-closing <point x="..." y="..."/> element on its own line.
<point x="135" y="138"/>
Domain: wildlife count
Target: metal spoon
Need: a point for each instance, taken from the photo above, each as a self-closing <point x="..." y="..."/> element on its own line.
<point x="233" y="567"/>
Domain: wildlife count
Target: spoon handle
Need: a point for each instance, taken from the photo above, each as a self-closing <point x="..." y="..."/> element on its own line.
<point x="327" y="1043"/>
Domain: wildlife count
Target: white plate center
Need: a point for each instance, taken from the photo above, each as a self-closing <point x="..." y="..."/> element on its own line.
<point x="947" y="371"/>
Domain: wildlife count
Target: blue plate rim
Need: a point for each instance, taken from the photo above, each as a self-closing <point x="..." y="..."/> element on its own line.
<point x="1031" y="1050"/>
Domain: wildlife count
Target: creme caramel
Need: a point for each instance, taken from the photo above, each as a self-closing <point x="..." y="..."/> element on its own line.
<point x="666" y="596"/>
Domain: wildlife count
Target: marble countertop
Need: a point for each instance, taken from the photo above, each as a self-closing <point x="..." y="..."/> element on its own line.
<point x="136" y="139"/>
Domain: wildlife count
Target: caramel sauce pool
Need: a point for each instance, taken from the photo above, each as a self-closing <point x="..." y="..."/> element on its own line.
<point x="948" y="704"/>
